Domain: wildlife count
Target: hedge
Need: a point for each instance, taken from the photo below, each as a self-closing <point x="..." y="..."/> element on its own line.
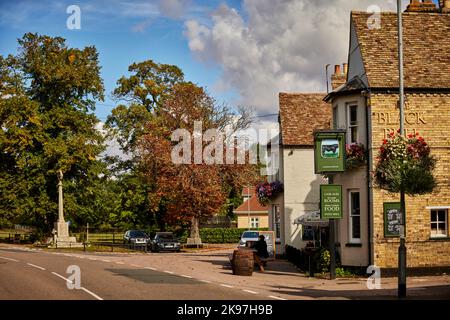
<point x="218" y="235"/>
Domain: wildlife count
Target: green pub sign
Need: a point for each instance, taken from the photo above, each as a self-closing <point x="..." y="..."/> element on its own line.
<point x="329" y="151"/>
<point x="331" y="201"/>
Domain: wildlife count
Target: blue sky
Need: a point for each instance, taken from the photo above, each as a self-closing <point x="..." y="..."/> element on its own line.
<point x="123" y="32"/>
<point x="245" y="52"/>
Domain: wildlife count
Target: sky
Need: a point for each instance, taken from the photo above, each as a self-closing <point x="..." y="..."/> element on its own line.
<point x="244" y="52"/>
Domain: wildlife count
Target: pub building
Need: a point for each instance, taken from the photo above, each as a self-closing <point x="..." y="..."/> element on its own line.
<point x="364" y="103"/>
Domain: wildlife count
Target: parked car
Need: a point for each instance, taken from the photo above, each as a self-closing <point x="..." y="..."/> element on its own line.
<point x="136" y="238"/>
<point x="248" y="238"/>
<point x="165" y="241"/>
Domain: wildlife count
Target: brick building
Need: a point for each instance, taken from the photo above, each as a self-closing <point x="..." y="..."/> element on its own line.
<point x="366" y="105"/>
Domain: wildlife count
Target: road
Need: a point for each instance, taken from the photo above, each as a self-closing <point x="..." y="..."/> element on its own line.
<point x="34" y="274"/>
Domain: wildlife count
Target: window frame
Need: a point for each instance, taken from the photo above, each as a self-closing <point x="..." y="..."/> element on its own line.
<point x="437" y="222"/>
<point x="350" y="217"/>
<point x="252" y="222"/>
<point x="351" y="125"/>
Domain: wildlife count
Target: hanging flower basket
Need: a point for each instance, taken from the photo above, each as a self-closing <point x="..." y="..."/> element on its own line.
<point x="356" y="155"/>
<point x="405" y="164"/>
<point x="266" y="191"/>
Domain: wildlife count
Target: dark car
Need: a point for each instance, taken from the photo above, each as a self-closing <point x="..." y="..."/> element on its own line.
<point x="136" y="238"/>
<point x="165" y="241"/>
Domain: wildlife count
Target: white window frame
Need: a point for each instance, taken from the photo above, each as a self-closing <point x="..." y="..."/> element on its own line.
<point x="350" y="216"/>
<point x="254" y="222"/>
<point x="445" y="234"/>
<point x="349" y="123"/>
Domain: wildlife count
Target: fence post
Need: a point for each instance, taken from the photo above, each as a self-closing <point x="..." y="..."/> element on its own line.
<point x="114" y="235"/>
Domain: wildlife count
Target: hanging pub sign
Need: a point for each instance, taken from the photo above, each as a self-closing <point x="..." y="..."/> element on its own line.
<point x="392" y="219"/>
<point x="331" y="201"/>
<point x="329" y="151"/>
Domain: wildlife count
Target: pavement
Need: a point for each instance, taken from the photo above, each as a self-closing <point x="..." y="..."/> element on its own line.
<point x="30" y="273"/>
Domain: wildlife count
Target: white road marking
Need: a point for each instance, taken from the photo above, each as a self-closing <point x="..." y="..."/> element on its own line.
<point x="67" y="255"/>
<point x="11" y="259"/>
<point x="118" y="262"/>
<point x="35" y="266"/>
<point x="104" y="260"/>
<point x="184" y="276"/>
<point x="169" y="272"/>
<point x="136" y="265"/>
<point x="91" y="293"/>
<point x="206" y="281"/>
<point x="151" y="268"/>
<point x="82" y="288"/>
<point x="250" y="291"/>
<point x="273" y="297"/>
<point x="226" y="286"/>
<point x="58" y="275"/>
<point x="93" y="259"/>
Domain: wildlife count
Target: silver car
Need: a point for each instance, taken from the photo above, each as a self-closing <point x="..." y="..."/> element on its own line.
<point x="248" y="238"/>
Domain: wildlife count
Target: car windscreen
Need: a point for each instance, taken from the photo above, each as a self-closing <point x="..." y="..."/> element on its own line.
<point x="250" y="234"/>
<point x="167" y="236"/>
<point x="138" y="234"/>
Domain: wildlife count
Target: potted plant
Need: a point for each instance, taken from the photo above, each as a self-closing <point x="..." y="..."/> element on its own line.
<point x="266" y="191"/>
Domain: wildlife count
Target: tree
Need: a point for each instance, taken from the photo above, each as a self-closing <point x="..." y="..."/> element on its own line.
<point x="190" y="190"/>
<point x="48" y="92"/>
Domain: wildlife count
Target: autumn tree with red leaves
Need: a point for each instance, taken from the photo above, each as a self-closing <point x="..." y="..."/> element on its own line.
<point x="192" y="189"/>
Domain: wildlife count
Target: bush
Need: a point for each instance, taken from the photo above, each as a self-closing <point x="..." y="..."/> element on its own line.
<point x="217" y="235"/>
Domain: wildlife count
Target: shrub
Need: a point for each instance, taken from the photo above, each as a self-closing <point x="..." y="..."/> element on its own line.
<point x="218" y="235"/>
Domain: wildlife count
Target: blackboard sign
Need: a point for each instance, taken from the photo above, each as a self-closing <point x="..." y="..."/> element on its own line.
<point x="392" y="219"/>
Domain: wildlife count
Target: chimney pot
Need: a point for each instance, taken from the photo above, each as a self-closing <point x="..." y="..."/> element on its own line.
<point x="345" y="65"/>
<point x="337" y="69"/>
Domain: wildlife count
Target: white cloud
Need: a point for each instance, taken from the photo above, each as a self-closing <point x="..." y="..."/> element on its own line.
<point x="275" y="46"/>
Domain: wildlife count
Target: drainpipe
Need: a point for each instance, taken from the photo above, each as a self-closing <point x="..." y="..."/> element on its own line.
<point x="369" y="194"/>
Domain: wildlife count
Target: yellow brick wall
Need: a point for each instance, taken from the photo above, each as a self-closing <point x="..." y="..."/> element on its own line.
<point x="428" y="114"/>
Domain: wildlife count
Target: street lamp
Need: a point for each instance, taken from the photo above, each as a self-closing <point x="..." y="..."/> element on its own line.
<point x="402" y="247"/>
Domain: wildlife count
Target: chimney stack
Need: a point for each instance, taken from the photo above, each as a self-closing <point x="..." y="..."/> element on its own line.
<point x="339" y="77"/>
<point x="422" y="6"/>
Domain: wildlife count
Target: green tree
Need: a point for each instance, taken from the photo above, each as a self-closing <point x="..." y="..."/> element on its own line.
<point x="48" y="93"/>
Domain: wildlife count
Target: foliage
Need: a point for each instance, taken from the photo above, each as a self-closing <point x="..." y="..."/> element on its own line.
<point x="219" y="235"/>
<point x="266" y="191"/>
<point x="356" y="155"/>
<point x="405" y="164"/>
<point x="48" y="93"/>
<point x="324" y="260"/>
<point x="190" y="189"/>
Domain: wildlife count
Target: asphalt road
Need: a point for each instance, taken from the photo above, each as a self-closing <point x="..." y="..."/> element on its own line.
<point x="42" y="275"/>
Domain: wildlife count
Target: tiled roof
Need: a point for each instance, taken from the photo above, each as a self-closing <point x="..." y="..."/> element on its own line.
<point x="426" y="40"/>
<point x="300" y="115"/>
<point x="254" y="206"/>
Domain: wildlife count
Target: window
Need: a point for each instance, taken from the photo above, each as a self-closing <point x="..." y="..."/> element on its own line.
<point x="276" y="221"/>
<point x="354" y="217"/>
<point x="352" y="123"/>
<point x="335" y="117"/>
<point x="439" y="223"/>
<point x="254" y="223"/>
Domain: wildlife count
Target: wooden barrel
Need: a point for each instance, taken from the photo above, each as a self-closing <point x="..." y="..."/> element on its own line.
<point x="242" y="262"/>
